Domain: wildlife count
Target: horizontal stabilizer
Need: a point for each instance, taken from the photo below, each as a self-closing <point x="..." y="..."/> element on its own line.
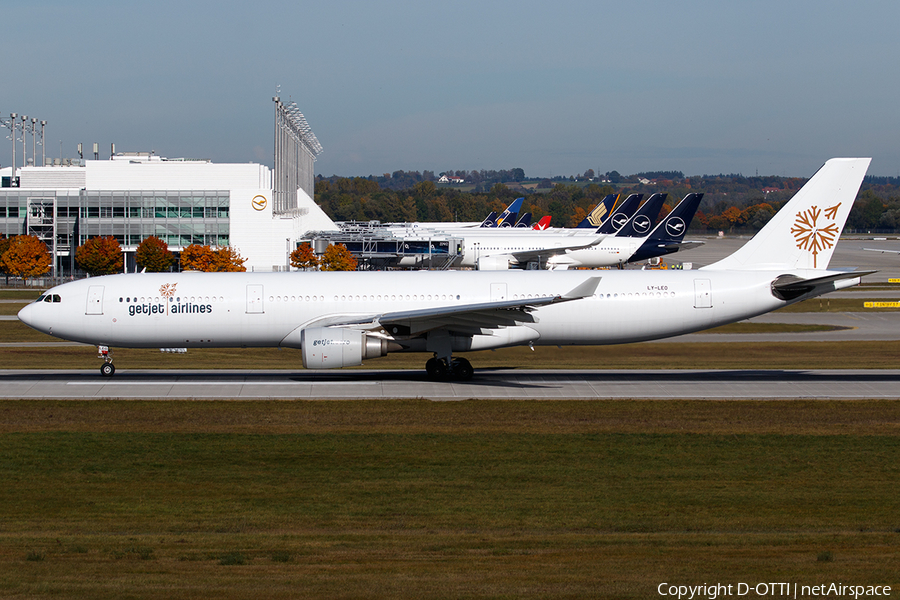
<point x="790" y="287"/>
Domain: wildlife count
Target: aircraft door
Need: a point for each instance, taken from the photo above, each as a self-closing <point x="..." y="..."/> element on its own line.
<point x="254" y="299"/>
<point x="702" y="293"/>
<point x="94" y="300"/>
<point x="498" y="292"/>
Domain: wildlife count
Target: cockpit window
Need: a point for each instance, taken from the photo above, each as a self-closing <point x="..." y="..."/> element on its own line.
<point x="49" y="298"/>
<point x="56" y="298"/>
<point x="40" y="298"/>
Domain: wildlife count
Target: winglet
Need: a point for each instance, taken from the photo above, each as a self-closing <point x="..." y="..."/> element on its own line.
<point x="583" y="290"/>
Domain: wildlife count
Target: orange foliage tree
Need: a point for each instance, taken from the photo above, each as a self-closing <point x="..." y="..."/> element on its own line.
<point x="25" y="256"/>
<point x="154" y="255"/>
<point x="100" y="256"/>
<point x="203" y="258"/>
<point x="337" y="258"/>
<point x="304" y="258"/>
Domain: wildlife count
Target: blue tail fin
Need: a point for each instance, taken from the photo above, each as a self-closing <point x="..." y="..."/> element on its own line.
<point x="667" y="237"/>
<point x="642" y="222"/>
<point x="621" y="214"/>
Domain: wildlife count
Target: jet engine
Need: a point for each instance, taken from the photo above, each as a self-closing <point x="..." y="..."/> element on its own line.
<point x="335" y="347"/>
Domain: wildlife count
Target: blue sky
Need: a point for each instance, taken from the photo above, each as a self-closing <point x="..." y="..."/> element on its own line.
<point x="556" y="88"/>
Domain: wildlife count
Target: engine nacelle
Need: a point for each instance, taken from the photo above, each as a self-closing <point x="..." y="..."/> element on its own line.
<point x="335" y="347"/>
<point x="492" y="263"/>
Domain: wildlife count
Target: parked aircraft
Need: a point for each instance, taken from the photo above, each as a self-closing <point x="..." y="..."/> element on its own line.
<point x="340" y="319"/>
<point x="485" y="250"/>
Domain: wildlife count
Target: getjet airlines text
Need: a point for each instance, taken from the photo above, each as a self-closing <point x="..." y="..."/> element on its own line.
<point x="174" y="309"/>
<point x="773" y="590"/>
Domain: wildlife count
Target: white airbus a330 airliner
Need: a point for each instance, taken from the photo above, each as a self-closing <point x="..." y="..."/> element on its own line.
<point x="340" y="319"/>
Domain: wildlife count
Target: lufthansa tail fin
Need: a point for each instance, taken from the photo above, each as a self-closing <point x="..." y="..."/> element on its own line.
<point x="489" y="220"/>
<point x="525" y="221"/>
<point x="667" y="237"/>
<point x="803" y="234"/>
<point x="621" y="214"/>
<point x="642" y="222"/>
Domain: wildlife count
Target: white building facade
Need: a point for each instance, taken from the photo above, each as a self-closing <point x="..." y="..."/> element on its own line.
<point x="182" y="202"/>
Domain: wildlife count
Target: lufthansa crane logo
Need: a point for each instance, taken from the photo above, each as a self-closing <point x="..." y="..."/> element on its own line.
<point x="619" y="219"/>
<point x="259" y="202"/>
<point x="641" y="223"/>
<point x="814" y="235"/>
<point x="675" y="226"/>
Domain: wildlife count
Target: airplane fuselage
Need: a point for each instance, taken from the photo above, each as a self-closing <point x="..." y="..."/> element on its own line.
<point x="196" y="310"/>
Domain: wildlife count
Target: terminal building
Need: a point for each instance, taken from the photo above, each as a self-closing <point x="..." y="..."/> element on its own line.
<point x="262" y="213"/>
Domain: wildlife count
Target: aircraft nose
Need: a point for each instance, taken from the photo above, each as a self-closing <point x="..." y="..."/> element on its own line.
<point x="28" y="315"/>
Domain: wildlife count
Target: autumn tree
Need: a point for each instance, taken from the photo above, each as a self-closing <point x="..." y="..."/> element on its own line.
<point x="25" y="256"/>
<point x="228" y="259"/>
<point x="304" y="258"/>
<point x="154" y="255"/>
<point x="337" y="258"/>
<point x="100" y="256"/>
<point x="4" y="246"/>
<point x="203" y="258"/>
<point x="196" y="258"/>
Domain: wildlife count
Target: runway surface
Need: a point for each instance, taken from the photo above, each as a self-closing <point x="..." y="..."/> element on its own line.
<point x="487" y="384"/>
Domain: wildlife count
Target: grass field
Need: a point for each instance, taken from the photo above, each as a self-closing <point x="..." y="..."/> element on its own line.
<point x="475" y="499"/>
<point x="478" y="499"/>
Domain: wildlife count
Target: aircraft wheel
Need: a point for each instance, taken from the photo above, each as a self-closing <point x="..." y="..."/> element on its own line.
<point x="462" y="369"/>
<point x="107" y="370"/>
<point x="435" y="368"/>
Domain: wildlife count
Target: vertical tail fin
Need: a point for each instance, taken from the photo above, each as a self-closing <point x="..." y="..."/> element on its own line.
<point x="803" y="234"/>
<point x="666" y="237"/>
<point x="508" y="217"/>
<point x="621" y="214"/>
<point x="599" y="213"/>
<point x="642" y="222"/>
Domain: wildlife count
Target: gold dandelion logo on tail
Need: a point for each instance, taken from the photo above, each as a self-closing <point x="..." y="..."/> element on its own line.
<point x="813" y="236"/>
<point x="167" y="290"/>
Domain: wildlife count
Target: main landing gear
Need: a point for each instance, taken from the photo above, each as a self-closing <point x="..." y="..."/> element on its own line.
<point x="107" y="369"/>
<point x="459" y="369"/>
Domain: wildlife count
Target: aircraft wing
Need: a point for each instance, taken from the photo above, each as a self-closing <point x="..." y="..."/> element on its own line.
<point x="673" y="246"/>
<point x="466" y="318"/>
<point x="882" y="251"/>
<point x="524" y="256"/>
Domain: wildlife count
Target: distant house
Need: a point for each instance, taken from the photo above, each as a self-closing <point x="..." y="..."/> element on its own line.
<point x="451" y="179"/>
<point x="768" y="191"/>
<point x="645" y="181"/>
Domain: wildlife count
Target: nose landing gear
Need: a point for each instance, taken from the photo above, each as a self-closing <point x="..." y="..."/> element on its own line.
<point x="107" y="369"/>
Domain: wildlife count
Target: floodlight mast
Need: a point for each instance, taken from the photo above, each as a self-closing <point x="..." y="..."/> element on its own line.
<point x="8" y="123"/>
<point x="24" y="120"/>
<point x="296" y="149"/>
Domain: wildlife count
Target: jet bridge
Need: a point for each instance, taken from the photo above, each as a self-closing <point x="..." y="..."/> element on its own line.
<point x="376" y="247"/>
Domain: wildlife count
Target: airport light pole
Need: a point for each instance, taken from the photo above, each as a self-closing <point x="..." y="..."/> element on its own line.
<point x="43" y="148"/>
<point x="24" y="120"/>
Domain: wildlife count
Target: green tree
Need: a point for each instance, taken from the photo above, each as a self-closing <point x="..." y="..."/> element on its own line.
<point x="26" y="256"/>
<point x="154" y="255"/>
<point x="100" y="256"/>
